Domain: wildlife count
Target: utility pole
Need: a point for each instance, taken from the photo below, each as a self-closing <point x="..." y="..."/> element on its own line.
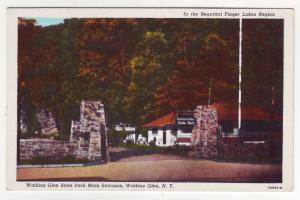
<point x="240" y="75"/>
<point x="209" y="91"/>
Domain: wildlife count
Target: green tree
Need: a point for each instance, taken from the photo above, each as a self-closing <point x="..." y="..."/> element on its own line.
<point x="263" y="63"/>
<point x="149" y="68"/>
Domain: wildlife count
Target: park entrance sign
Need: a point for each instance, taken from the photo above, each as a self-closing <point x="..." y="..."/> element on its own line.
<point x="188" y="121"/>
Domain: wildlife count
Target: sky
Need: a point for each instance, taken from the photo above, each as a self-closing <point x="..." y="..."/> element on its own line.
<point x="47" y="21"/>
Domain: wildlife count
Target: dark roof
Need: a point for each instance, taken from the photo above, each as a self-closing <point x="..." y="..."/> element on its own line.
<point x="225" y="112"/>
<point x="229" y="112"/>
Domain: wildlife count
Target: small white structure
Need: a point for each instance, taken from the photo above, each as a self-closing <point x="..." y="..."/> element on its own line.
<point x="129" y="129"/>
<point x="132" y="135"/>
<point x="139" y="139"/>
<point x="118" y="128"/>
<point x="124" y="127"/>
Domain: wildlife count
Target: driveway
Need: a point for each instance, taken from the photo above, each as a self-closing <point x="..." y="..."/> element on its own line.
<point x="121" y="154"/>
<point x="128" y="165"/>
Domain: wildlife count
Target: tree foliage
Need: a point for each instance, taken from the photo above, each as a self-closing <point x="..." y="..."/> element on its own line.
<point x="143" y="68"/>
<point x="263" y="63"/>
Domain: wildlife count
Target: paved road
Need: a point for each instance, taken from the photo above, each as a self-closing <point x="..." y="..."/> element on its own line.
<point x="121" y="154"/>
<point x="157" y="167"/>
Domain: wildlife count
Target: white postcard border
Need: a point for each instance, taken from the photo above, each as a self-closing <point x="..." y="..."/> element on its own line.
<point x="286" y="14"/>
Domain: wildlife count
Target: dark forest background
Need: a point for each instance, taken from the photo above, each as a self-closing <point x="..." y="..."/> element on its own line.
<point x="144" y="68"/>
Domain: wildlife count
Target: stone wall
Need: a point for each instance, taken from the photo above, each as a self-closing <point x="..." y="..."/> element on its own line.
<point x="204" y="143"/>
<point x="241" y="148"/>
<point x="208" y="142"/>
<point x="46" y="148"/>
<point x="88" y="138"/>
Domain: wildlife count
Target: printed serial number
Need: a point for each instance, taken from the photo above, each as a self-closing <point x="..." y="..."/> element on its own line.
<point x="274" y="187"/>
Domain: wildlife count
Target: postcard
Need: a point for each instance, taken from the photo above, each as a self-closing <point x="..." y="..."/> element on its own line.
<point x="156" y="99"/>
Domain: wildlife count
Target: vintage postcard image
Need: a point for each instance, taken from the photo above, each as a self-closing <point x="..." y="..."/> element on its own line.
<point x="150" y="99"/>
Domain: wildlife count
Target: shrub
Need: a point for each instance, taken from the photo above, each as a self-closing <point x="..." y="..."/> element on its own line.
<point x="60" y="137"/>
<point x="180" y="150"/>
<point x="116" y="137"/>
<point x="129" y="141"/>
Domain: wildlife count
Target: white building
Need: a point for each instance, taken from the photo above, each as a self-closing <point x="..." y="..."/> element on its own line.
<point x="171" y="129"/>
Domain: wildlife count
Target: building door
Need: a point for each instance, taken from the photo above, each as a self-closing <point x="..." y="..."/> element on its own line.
<point x="164" y="136"/>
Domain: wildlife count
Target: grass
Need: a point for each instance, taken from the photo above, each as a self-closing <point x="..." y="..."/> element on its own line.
<point x="174" y="150"/>
<point x="139" y="147"/>
<point x="47" y="161"/>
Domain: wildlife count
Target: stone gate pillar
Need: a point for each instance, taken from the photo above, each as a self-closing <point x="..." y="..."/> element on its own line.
<point x="204" y="143"/>
<point x="92" y="121"/>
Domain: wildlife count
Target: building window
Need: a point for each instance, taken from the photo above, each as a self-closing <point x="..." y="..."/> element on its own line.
<point x="98" y="113"/>
<point x="154" y="131"/>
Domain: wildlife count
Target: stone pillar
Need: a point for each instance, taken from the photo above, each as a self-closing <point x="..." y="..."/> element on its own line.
<point x="92" y="116"/>
<point x="204" y="143"/>
<point x="95" y="143"/>
<point x="82" y="148"/>
<point x="47" y="122"/>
